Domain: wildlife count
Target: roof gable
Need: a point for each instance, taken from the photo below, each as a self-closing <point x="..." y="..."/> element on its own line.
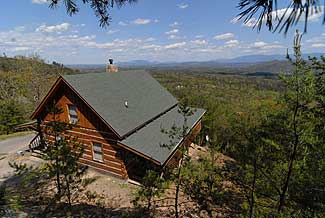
<point x="56" y="91"/>
<point x="107" y="93"/>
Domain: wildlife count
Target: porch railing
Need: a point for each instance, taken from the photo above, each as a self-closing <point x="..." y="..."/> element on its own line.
<point x="35" y="143"/>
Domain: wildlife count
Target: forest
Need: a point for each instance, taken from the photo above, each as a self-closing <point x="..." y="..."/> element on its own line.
<point x="23" y="83"/>
<point x="264" y="137"/>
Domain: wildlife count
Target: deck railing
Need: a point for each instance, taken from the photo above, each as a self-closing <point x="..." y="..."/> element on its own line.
<point x="35" y="143"/>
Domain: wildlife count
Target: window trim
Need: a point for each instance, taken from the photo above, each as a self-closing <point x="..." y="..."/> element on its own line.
<point x="70" y="121"/>
<point x="93" y="151"/>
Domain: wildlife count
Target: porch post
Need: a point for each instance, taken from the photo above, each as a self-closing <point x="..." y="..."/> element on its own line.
<point x="40" y="133"/>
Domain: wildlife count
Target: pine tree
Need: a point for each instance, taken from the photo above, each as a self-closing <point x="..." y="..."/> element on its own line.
<point x="11" y="114"/>
<point x="152" y="186"/>
<point x="62" y="155"/>
<point x="176" y="134"/>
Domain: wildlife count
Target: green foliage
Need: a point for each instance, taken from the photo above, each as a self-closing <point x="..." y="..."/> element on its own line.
<point x="225" y="98"/>
<point x="101" y="8"/>
<point x="178" y="133"/>
<point x="203" y="181"/>
<point x="3" y="200"/>
<point x="152" y="187"/>
<point x="266" y="13"/>
<point x="24" y="81"/>
<point x="11" y="114"/>
<point x="278" y="162"/>
<point x="62" y="155"/>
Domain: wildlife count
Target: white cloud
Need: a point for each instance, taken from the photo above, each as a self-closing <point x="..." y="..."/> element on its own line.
<point x="182" y="6"/>
<point x="199" y="36"/>
<point x="175" y="45"/>
<point x="20" y="49"/>
<point x="259" y="44"/>
<point x="175" y="24"/>
<point x="156" y="20"/>
<point x="285" y="13"/>
<point x="232" y="43"/>
<point x="112" y="31"/>
<point x="55" y="28"/>
<point x="174" y="37"/>
<point x="121" y="23"/>
<point x="318" y="45"/>
<point x="171" y="32"/>
<point x="152" y="46"/>
<point x="224" y="36"/>
<point x="265" y="46"/>
<point x="270" y="47"/>
<point x="250" y="23"/>
<point x="40" y="1"/>
<point x="141" y="21"/>
<point x="150" y="39"/>
<point x="70" y="47"/>
<point x="20" y="28"/>
<point x="199" y="42"/>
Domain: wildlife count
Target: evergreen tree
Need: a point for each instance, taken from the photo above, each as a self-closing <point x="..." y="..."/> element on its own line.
<point x="177" y="134"/>
<point x="62" y="154"/>
<point x="11" y="114"/>
<point x="152" y="186"/>
<point x="202" y="181"/>
<point x="277" y="156"/>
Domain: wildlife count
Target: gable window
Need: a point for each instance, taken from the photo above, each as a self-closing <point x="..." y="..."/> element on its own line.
<point x="73" y="115"/>
<point x="97" y="151"/>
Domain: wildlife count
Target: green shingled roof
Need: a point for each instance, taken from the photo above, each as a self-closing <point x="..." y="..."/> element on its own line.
<point x="150" y="109"/>
<point x="149" y="139"/>
<point x="107" y="93"/>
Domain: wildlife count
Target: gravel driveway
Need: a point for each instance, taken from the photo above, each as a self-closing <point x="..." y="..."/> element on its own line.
<point x="11" y="145"/>
<point x="8" y="149"/>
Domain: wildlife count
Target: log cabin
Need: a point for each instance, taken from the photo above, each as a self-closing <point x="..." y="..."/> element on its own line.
<point x="118" y="117"/>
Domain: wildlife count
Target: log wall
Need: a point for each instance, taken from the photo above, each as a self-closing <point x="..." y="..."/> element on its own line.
<point x="89" y="129"/>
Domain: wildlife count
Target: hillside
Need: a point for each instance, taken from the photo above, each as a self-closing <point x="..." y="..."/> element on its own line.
<point x="20" y="64"/>
<point x="23" y="83"/>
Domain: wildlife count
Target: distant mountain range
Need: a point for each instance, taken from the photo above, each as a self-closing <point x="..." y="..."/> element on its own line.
<point x="233" y="62"/>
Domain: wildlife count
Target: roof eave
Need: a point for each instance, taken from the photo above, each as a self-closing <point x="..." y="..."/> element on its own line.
<point x="181" y="141"/>
<point x="42" y="104"/>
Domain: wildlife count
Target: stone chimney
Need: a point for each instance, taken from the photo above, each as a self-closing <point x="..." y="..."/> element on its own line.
<point x="111" y="68"/>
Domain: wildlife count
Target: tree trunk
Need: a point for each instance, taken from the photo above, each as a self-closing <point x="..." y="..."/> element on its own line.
<point x="293" y="154"/>
<point x="178" y="184"/>
<point x="252" y="201"/>
<point x="58" y="177"/>
<point x="68" y="191"/>
<point x="286" y="184"/>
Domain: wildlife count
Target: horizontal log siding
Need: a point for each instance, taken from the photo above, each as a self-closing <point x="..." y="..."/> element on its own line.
<point x="112" y="161"/>
<point x="89" y="128"/>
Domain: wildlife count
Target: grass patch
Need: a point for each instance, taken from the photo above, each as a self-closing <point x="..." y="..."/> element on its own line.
<point x="16" y="134"/>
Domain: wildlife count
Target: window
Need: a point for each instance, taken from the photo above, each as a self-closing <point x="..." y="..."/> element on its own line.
<point x="73" y="115"/>
<point x="97" y="151"/>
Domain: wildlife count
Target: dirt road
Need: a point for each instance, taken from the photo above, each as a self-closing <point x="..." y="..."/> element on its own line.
<point x="8" y="152"/>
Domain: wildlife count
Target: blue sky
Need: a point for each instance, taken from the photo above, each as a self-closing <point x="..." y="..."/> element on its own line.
<point x="153" y="30"/>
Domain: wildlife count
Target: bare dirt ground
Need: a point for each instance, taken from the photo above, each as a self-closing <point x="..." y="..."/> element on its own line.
<point x="106" y="196"/>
